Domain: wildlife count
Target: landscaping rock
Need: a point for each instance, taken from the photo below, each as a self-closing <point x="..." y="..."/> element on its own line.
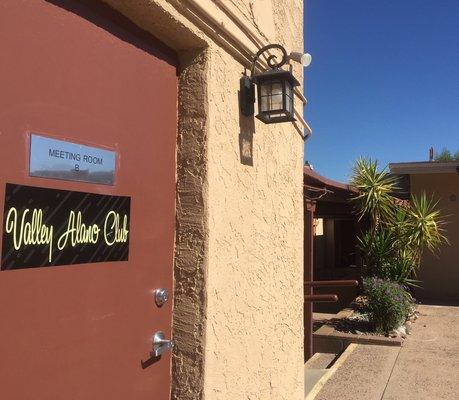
<point x="400" y="332"/>
<point x="408" y="327"/>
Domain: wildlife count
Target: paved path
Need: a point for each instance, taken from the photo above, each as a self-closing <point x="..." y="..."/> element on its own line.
<point x="425" y="368"/>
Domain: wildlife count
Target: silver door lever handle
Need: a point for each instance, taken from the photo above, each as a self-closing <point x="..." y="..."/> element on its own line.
<point x="160" y="344"/>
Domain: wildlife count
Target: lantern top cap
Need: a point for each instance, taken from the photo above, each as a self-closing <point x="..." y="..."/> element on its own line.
<point x="276" y="73"/>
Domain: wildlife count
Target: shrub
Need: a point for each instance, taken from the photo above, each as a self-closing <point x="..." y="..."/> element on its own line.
<point x="388" y="303"/>
<point x="398" y="233"/>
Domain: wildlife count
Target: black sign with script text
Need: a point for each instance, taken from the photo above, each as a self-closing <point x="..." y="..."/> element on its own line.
<point x="44" y="227"/>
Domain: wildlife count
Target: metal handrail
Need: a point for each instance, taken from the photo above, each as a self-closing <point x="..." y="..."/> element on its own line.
<point x="331" y="283"/>
<point x="321" y="298"/>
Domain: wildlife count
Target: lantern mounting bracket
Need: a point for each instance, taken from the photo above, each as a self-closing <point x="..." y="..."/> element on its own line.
<point x="274" y="88"/>
<point x="271" y="59"/>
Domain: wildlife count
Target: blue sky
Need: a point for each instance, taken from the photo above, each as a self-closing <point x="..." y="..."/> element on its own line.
<point x="383" y="83"/>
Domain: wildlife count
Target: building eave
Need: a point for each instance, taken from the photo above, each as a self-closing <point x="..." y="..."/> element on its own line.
<point x="424" y="167"/>
<point x="313" y="178"/>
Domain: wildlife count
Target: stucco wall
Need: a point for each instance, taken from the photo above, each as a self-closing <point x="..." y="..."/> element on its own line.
<point x="440" y="273"/>
<point x="254" y="333"/>
<point x="254" y="312"/>
<point x="238" y="313"/>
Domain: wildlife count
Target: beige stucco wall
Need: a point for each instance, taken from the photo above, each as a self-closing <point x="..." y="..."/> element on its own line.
<point x="440" y="273"/>
<point x="238" y="313"/>
<point x="254" y="314"/>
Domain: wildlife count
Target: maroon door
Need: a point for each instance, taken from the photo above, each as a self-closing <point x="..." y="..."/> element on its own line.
<point x="84" y="331"/>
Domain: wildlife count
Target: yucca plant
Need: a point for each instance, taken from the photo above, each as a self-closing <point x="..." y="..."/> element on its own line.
<point x="401" y="269"/>
<point x="399" y="224"/>
<point x="374" y="201"/>
<point x="425" y="226"/>
<point x="393" y="246"/>
<point x="375" y="187"/>
<point x="377" y="248"/>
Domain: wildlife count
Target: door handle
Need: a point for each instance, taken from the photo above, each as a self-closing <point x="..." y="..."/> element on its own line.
<point x="160" y="344"/>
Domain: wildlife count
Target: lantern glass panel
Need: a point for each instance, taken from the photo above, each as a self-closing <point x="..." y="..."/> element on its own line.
<point x="276" y="88"/>
<point x="276" y="102"/>
<point x="264" y="104"/>
<point x="265" y="88"/>
<point x="271" y="96"/>
<point x="265" y="96"/>
<point x="289" y="97"/>
<point x="276" y="92"/>
<point x="289" y="105"/>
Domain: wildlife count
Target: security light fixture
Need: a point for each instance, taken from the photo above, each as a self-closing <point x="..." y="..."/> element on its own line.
<point x="274" y="89"/>
<point x="304" y="59"/>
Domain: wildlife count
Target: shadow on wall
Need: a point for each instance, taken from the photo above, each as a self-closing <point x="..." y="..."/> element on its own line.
<point x="246" y="129"/>
<point x="118" y="25"/>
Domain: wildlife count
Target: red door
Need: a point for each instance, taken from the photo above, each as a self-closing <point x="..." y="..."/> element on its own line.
<point x="84" y="330"/>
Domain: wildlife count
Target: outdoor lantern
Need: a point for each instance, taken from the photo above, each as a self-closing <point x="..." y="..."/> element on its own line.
<point x="275" y="96"/>
<point x="274" y="90"/>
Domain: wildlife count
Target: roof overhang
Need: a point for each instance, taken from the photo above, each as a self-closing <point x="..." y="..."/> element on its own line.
<point x="312" y="178"/>
<point x="425" y="167"/>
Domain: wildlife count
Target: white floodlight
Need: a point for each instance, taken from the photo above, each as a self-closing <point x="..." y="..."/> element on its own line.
<point x="302" y="58"/>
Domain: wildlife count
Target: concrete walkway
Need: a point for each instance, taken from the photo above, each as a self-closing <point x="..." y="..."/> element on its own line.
<point x="425" y="368"/>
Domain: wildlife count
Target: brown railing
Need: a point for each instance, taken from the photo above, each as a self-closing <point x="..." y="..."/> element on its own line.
<point x="312" y="298"/>
<point x="321" y="298"/>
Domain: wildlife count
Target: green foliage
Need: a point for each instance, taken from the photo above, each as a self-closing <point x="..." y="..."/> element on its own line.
<point x="445" y="155"/>
<point x="375" y="188"/>
<point x="387" y="257"/>
<point x="399" y="269"/>
<point x="378" y="248"/>
<point x="388" y="303"/>
<point x="393" y="245"/>
<point x="424" y="225"/>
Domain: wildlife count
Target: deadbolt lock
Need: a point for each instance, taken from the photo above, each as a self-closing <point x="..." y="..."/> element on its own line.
<point x="161" y="296"/>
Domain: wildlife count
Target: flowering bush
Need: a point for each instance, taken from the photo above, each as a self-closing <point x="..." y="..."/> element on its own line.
<point x="388" y="303"/>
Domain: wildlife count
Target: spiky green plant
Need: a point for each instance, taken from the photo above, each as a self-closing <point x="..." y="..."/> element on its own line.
<point x="375" y="187"/>
<point x="393" y="245"/>
<point x="425" y="226"/>
<point x="400" y="268"/>
<point x="377" y="249"/>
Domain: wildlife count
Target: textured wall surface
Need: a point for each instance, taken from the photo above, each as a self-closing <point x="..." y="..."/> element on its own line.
<point x="440" y="273"/>
<point x="254" y="333"/>
<point x="255" y="261"/>
<point x="191" y="243"/>
<point x="238" y="312"/>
